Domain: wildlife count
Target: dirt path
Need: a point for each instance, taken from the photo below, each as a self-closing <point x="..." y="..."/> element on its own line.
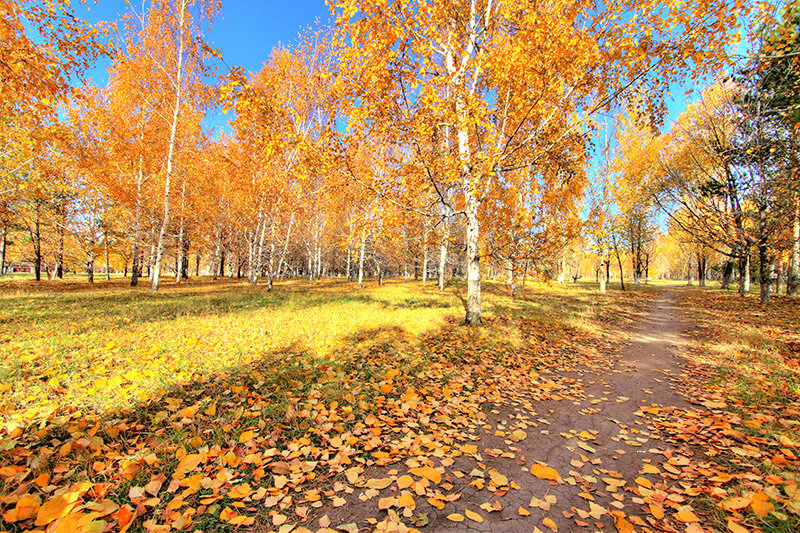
<point x="590" y="425"/>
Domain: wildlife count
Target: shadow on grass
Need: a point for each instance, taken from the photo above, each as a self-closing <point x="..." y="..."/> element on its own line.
<point x="296" y="404"/>
<point x="120" y="305"/>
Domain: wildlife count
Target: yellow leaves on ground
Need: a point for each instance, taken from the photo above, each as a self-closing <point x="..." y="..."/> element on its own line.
<point x="60" y="506"/>
<point x="733" y="527"/>
<point x="186" y="465"/>
<point x="517" y="435"/>
<point x="545" y="472"/>
<point x="405" y="481"/>
<point x="469" y="449"/>
<point x="686" y="515"/>
<point x="472" y="515"/>
<point x="428" y="472"/>
<point x="550" y="524"/>
<point x="379" y="483"/>
<point x="25" y="508"/>
<point x="455" y="517"/>
<point x="622" y="524"/>
<point x="761" y="505"/>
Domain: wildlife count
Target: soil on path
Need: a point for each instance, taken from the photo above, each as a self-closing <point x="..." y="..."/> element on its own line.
<point x="592" y="426"/>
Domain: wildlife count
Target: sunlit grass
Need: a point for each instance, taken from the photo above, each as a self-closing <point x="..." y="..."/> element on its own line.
<point x="110" y="346"/>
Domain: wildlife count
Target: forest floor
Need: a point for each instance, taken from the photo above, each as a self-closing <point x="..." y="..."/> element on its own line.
<point x="219" y="407"/>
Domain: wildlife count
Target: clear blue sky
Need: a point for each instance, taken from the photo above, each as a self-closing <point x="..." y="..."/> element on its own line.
<point x="245" y="31"/>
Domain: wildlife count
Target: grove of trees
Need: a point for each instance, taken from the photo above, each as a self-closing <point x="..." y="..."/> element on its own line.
<point x="409" y="139"/>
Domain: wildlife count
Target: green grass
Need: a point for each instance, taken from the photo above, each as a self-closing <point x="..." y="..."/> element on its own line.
<point x="111" y="346"/>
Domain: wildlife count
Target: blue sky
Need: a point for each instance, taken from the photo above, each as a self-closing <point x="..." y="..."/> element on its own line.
<point x="245" y="31"/>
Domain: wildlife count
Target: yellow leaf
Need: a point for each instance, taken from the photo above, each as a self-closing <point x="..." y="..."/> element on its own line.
<point x="455" y="517"/>
<point x="523" y="512"/>
<point x="622" y="524"/>
<point x="657" y="511"/>
<point x="498" y="479"/>
<point x="647" y="468"/>
<point x="406" y="500"/>
<point x="247" y="436"/>
<point x="472" y="515"/>
<point x="517" y="435"/>
<point x="469" y="448"/>
<point x="761" y="505"/>
<point x="545" y="472"/>
<point x="550" y="524"/>
<point x="428" y="472"/>
<point x="733" y="527"/>
<point x="439" y="504"/>
<point x="685" y="515"/>
<point x="644" y="482"/>
<point x="187" y="464"/>
<point x="405" y="481"/>
<point x="734" y="504"/>
<point x="379" y="483"/>
<point x="53" y="509"/>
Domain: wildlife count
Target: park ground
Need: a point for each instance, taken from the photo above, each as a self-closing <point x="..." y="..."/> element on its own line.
<point x="215" y="406"/>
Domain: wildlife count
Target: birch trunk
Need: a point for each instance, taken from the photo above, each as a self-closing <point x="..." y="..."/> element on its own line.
<point x="271" y="264"/>
<point x="171" y="151"/>
<point x="349" y="259"/>
<point x="443" y="256"/>
<point x="793" y="277"/>
<point x="425" y="264"/>
<point x="136" y="269"/>
<point x="105" y="241"/>
<point x="3" y="232"/>
<point x="260" y="253"/>
<point x="603" y="273"/>
<point x="179" y="259"/>
<point x="361" y="261"/>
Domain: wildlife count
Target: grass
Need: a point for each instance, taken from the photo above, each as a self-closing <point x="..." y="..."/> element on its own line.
<point x="110" y="346"/>
<point x="115" y="385"/>
<point x="749" y="356"/>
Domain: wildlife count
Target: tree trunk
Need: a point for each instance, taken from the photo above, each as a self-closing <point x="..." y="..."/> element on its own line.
<point x="425" y="264"/>
<point x="443" y="256"/>
<point x="179" y="258"/>
<point x="689" y="272"/>
<point x="778" y="275"/>
<point x="512" y="279"/>
<point x="603" y="280"/>
<point x="171" y="151"/>
<point x="473" y="257"/>
<point x="726" y="274"/>
<point x="562" y="272"/>
<point x="621" y="276"/>
<point x="3" y="232"/>
<point x="361" y="261"/>
<point x="90" y="263"/>
<point x="197" y="264"/>
<point x="701" y="269"/>
<point x="37" y="246"/>
<point x="765" y="271"/>
<point x="349" y="261"/>
<point x="105" y="241"/>
<point x="744" y="273"/>
<point x="793" y="278"/>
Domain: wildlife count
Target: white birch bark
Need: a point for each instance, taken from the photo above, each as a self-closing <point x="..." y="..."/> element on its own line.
<point x="171" y="151"/>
